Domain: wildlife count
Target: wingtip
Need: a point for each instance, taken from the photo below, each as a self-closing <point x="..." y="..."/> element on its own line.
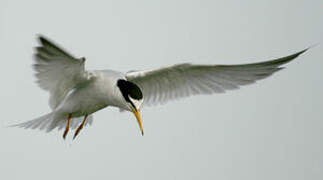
<point x="42" y="39"/>
<point x="310" y="47"/>
<point x="301" y="52"/>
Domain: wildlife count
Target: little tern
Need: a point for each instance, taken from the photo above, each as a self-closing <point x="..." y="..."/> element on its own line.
<point x="75" y="93"/>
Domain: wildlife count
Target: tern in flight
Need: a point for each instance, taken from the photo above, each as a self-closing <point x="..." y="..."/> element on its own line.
<point x="76" y="93"/>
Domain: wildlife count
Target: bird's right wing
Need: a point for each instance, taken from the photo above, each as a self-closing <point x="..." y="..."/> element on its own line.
<point x="57" y="71"/>
<point x="183" y="80"/>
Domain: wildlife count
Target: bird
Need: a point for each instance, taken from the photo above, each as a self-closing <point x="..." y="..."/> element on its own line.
<point x="77" y="93"/>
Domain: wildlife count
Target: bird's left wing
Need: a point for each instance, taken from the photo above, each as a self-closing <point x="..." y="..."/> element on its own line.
<point x="57" y="71"/>
<point x="182" y="80"/>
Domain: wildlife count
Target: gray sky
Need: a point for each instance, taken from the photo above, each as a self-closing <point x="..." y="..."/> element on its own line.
<point x="269" y="130"/>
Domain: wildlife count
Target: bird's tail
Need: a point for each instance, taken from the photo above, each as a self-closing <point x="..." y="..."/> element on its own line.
<point x="41" y="122"/>
<point x="50" y="121"/>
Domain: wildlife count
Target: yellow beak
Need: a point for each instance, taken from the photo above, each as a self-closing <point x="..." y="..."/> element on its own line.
<point x="137" y="114"/>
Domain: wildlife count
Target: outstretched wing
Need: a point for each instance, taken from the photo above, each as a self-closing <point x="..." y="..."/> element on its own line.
<point x="183" y="80"/>
<point x="57" y="71"/>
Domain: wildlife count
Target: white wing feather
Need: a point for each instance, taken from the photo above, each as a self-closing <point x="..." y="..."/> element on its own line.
<point x="183" y="80"/>
<point x="57" y="71"/>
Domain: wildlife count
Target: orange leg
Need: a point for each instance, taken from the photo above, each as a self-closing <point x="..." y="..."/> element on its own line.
<point x="80" y="127"/>
<point x="67" y="125"/>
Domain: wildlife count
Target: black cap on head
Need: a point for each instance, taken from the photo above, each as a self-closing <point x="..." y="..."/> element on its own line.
<point x="129" y="89"/>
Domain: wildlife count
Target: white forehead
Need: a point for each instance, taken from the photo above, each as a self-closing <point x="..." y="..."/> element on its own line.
<point x="136" y="102"/>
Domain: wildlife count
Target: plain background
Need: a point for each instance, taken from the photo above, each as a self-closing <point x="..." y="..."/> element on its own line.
<point x="269" y="130"/>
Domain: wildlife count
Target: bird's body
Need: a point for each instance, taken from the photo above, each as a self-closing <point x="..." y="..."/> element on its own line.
<point x="76" y="93"/>
<point x="100" y="93"/>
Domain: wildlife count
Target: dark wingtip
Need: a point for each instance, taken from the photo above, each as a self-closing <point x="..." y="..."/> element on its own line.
<point x="303" y="51"/>
<point x="289" y="58"/>
<point x="53" y="47"/>
<point x="41" y="38"/>
<point x="300" y="52"/>
<point x="45" y="41"/>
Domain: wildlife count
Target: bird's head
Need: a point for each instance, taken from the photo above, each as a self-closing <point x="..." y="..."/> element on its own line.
<point x="133" y="98"/>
